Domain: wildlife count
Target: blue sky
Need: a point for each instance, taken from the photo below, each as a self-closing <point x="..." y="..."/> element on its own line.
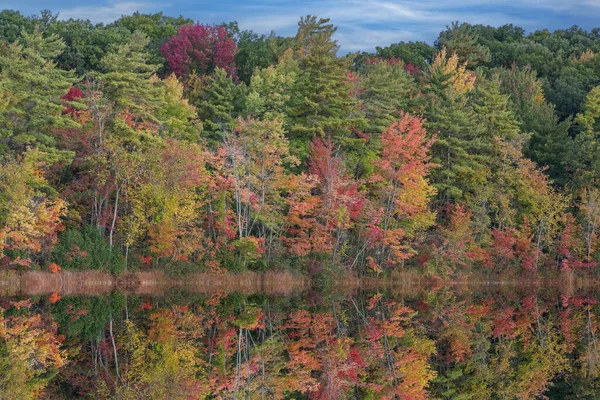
<point x="363" y="24"/>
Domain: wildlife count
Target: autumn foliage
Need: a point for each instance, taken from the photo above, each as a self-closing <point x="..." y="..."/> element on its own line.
<point x="200" y="49"/>
<point x="408" y="159"/>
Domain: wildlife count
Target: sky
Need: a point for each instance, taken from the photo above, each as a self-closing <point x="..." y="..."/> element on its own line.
<point x="362" y="24"/>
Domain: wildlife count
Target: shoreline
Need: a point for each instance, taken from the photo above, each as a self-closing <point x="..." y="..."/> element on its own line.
<point x="33" y="283"/>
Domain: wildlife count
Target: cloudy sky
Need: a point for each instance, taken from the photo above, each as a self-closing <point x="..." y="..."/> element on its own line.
<point x="363" y="24"/>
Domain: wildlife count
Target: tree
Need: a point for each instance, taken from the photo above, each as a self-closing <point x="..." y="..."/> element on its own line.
<point x="33" y="86"/>
<point x="585" y="146"/>
<point x="550" y="143"/>
<point x="341" y="202"/>
<point x="416" y="53"/>
<point x="218" y="101"/>
<point x="86" y="43"/>
<point x="386" y="90"/>
<point x="157" y="27"/>
<point x="30" y="355"/>
<point x="404" y="191"/>
<point x="30" y="218"/>
<point x="200" y="49"/>
<point x="256" y="153"/>
<point x="493" y="108"/>
<point x="167" y="203"/>
<point x="589" y="209"/>
<point x="269" y="89"/>
<point x="460" y="39"/>
<point x="178" y="118"/>
<point x="129" y="84"/>
<point x="161" y="363"/>
<point x="12" y="24"/>
<point x="461" y="150"/>
<point x="255" y="52"/>
<point x="321" y="104"/>
<point x="501" y="128"/>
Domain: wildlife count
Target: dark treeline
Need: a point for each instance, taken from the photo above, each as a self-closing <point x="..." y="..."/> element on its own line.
<point x="160" y="142"/>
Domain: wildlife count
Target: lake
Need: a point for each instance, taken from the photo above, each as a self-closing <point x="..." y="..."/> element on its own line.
<point x="284" y="339"/>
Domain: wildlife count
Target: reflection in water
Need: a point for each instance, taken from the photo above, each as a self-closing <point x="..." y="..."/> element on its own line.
<point x="436" y="344"/>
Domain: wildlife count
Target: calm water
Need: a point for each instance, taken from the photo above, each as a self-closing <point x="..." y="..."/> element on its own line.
<point x="444" y="344"/>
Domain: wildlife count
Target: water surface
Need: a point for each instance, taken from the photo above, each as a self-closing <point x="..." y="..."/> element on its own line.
<point x="492" y="342"/>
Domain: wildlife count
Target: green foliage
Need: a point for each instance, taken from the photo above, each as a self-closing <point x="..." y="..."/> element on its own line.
<point x="416" y="53"/>
<point x="86" y="250"/>
<point x="255" y="52"/>
<point x="218" y="101"/>
<point x="494" y="110"/>
<point x="585" y="158"/>
<point x="31" y="87"/>
<point x="87" y="317"/>
<point x="178" y="119"/>
<point x="462" y="149"/>
<point x="157" y="27"/>
<point x="386" y="89"/>
<point x="550" y="144"/>
<point x="12" y="24"/>
<point x="269" y="89"/>
<point x="321" y="105"/>
<point x="86" y="43"/>
<point x="127" y="73"/>
<point x="461" y="39"/>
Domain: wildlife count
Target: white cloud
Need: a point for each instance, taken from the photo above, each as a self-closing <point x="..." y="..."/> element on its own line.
<point x="362" y="24"/>
<point x="266" y="23"/>
<point x="365" y="23"/>
<point x="107" y="13"/>
<point x="358" y="39"/>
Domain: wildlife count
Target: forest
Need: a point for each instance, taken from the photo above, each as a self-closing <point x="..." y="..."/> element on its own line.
<point x="160" y="143"/>
<point x="197" y="211"/>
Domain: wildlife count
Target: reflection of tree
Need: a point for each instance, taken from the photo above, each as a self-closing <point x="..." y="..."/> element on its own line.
<point x="440" y="345"/>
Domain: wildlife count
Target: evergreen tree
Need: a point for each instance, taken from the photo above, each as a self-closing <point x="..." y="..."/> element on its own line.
<point x="218" y="100"/>
<point x="32" y="87"/>
<point x="587" y="147"/>
<point x="178" y="118"/>
<point x="461" y="149"/>
<point x="321" y="104"/>
<point x="133" y="90"/>
<point x="460" y="39"/>
<point x="269" y="89"/>
<point x="492" y="203"/>
<point x="494" y="111"/>
<point x="127" y="76"/>
<point x="386" y="89"/>
<point x="550" y="144"/>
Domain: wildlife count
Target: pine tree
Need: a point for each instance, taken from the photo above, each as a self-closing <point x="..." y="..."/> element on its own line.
<point x="461" y="150"/>
<point x="386" y="89"/>
<point x="501" y="129"/>
<point x="550" y="144"/>
<point x="178" y="118"/>
<point x="586" y="146"/>
<point x="494" y="112"/>
<point x="321" y="104"/>
<point x="32" y="87"/>
<point x="269" y="89"/>
<point x="218" y="101"/>
<point x="134" y="93"/>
